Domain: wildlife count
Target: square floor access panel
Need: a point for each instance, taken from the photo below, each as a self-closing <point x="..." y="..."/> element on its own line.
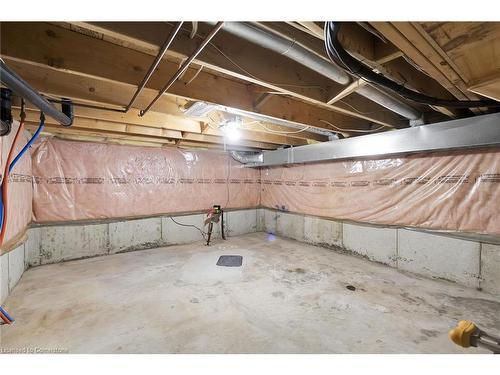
<point x="230" y="260"/>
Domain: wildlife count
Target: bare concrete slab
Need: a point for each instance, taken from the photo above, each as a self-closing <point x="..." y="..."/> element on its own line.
<point x="287" y="297"/>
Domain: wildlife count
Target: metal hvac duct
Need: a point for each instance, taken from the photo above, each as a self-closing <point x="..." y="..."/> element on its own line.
<point x="472" y="132"/>
<point x="391" y="103"/>
<point x="287" y="48"/>
<point x="298" y="53"/>
<point x="246" y="157"/>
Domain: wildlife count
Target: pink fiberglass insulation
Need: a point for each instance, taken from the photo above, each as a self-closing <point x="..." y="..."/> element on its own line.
<point x="82" y="180"/>
<point x="454" y="191"/>
<point x="19" y="188"/>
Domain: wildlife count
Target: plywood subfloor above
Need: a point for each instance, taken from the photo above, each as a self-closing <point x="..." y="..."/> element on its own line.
<point x="489" y="87"/>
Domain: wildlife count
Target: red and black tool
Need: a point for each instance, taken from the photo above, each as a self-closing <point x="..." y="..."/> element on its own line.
<point x="214" y="215"/>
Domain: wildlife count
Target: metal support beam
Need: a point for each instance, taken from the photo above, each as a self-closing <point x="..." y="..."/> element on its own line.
<point x="479" y="131"/>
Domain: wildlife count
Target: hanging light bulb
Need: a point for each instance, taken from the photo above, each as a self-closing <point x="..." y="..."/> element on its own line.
<point x="231" y="129"/>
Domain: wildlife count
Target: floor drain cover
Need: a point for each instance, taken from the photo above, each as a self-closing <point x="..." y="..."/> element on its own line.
<point x="230" y="260"/>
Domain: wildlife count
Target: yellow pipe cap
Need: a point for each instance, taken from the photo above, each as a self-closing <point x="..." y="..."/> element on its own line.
<point x="461" y="334"/>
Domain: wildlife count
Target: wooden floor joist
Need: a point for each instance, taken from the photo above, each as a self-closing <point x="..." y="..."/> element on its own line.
<point x="51" y="46"/>
<point x="101" y="64"/>
<point x="122" y="127"/>
<point x="407" y="38"/>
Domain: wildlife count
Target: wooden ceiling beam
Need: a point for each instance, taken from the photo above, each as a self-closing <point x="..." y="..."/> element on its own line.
<point x="411" y="42"/>
<point x="226" y="54"/>
<point x="87" y="135"/>
<point x="230" y="57"/>
<point x="168" y="116"/>
<point x="348" y="90"/>
<point x="384" y="52"/>
<point x="103" y="129"/>
<point x="48" y="45"/>
<point x="98" y="91"/>
<point x="94" y="119"/>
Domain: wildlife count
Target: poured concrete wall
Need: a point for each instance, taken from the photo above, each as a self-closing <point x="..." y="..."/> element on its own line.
<point x="66" y="242"/>
<point x="56" y="243"/>
<point x="15" y="262"/>
<point x="466" y="262"/>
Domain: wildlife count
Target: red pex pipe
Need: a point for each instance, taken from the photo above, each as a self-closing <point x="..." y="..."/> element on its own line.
<point x="4" y="318"/>
<point x="5" y="180"/>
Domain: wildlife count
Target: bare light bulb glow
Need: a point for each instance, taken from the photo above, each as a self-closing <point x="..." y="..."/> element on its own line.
<point x="232" y="134"/>
<point x="231" y="131"/>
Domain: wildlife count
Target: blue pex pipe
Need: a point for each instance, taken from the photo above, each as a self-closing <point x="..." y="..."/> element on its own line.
<point x="12" y="164"/>
<point x="6" y="314"/>
<point x="30" y="142"/>
<point x="16" y="159"/>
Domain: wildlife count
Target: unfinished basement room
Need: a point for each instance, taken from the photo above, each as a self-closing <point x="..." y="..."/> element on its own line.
<point x="249" y="187"/>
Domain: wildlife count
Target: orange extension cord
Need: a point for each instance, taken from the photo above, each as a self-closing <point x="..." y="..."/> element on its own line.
<point x="5" y="181"/>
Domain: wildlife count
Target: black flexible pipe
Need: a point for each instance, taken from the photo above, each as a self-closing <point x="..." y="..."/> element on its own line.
<point x="337" y="54"/>
<point x="5" y="111"/>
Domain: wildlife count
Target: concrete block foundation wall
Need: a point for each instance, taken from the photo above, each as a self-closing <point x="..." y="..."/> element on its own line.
<point x="47" y="244"/>
<point x="466" y="262"/>
<point x="14" y="263"/>
<point x="75" y="241"/>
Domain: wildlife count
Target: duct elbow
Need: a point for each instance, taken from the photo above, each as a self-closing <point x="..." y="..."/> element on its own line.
<point x="247" y="157"/>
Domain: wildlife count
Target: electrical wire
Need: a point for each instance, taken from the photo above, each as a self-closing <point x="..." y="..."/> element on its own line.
<point x="189" y="225"/>
<point x="310" y="86"/>
<point x="257" y="78"/>
<point x="195" y="75"/>
<point x="361" y="112"/>
<point x="227" y="181"/>
<point x="341" y="57"/>
<point x="282" y="132"/>
<point x="341" y="130"/>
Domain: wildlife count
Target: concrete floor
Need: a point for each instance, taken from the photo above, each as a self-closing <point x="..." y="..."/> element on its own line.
<point x="288" y="297"/>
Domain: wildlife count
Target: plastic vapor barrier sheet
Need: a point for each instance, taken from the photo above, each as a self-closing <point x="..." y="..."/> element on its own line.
<point x="81" y="180"/>
<point x="19" y="187"/>
<point x="454" y="191"/>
